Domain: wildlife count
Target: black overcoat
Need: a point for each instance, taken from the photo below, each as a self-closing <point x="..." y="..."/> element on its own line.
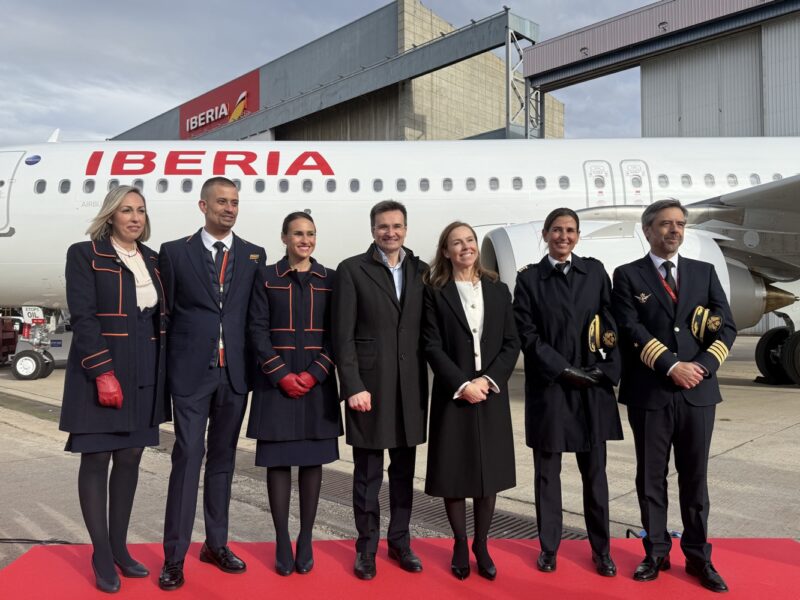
<point x="377" y="347"/>
<point x="470" y="446"/>
<point x="553" y="312"/>
<point x="101" y="298"/>
<point x="289" y="329"/>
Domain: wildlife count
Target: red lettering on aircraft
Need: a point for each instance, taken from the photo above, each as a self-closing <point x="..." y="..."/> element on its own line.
<point x="94" y="162"/>
<point x="243" y="160"/>
<point x="177" y="161"/>
<point x="273" y="162"/>
<point x="133" y="162"/>
<point x="317" y="163"/>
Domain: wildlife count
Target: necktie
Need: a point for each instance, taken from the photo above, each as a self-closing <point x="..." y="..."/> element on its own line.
<point x="668" y="266"/>
<point x="561" y="266"/>
<point x="218" y="261"/>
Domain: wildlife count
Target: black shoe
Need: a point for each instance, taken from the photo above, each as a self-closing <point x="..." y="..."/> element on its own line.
<point x="110" y="586"/>
<point x="171" y="577"/>
<point x="486" y="566"/>
<point x="284" y="561"/>
<point x="364" y="567"/>
<point x="135" y="569"/>
<point x="459" y="564"/>
<point x="604" y="565"/>
<point x="408" y="560"/>
<point x="546" y="562"/>
<point x="223" y="558"/>
<point x="304" y="558"/>
<point x="649" y="567"/>
<point x="709" y="578"/>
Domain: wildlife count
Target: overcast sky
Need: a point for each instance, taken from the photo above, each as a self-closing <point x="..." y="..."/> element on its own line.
<point x="97" y="68"/>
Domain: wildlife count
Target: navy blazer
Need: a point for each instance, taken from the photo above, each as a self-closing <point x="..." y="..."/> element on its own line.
<point x="195" y="315"/>
<point x="101" y="297"/>
<point x="655" y="332"/>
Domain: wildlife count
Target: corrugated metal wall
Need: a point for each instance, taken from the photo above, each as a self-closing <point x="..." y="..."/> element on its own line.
<point x="781" y="49"/>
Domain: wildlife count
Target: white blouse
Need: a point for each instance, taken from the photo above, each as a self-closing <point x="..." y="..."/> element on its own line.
<point x="472" y="300"/>
<point x="146" y="295"/>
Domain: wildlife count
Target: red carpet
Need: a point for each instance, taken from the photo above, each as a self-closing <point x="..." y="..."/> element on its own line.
<point x="753" y="568"/>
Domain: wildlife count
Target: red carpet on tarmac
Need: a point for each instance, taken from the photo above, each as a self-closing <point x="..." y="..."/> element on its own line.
<point x="753" y="568"/>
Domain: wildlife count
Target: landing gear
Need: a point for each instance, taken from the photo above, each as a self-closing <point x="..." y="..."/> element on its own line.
<point x="27" y="365"/>
<point x="49" y="364"/>
<point x="778" y="356"/>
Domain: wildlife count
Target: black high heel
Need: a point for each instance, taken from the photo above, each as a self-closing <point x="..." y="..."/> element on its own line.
<point x="136" y="570"/>
<point x="459" y="564"/>
<point x="110" y="586"/>
<point x="486" y="566"/>
<point x="284" y="568"/>
<point x="304" y="559"/>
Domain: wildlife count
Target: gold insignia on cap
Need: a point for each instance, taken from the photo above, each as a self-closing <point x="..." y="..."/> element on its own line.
<point x="643" y="297"/>
<point x="594" y="333"/>
<point x="714" y="323"/>
<point x="609" y="339"/>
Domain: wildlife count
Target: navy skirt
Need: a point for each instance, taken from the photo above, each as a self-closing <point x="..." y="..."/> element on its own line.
<point x="297" y="453"/>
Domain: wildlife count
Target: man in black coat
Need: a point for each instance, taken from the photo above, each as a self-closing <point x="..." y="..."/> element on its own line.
<point x="377" y="313"/>
<point x="670" y="386"/>
<point x="208" y="277"/>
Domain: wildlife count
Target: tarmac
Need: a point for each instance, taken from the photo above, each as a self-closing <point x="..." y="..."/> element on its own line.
<point x="754" y="471"/>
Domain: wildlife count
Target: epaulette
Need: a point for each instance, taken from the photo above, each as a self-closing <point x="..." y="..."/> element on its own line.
<point x="525" y="267"/>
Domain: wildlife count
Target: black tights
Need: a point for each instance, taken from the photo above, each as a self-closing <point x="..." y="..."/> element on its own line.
<point x="279" y="491"/>
<point x="482" y="513"/>
<point x="108" y="528"/>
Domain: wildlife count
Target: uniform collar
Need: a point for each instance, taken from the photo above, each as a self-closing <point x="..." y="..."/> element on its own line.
<point x="209" y="240"/>
<point x="282" y="268"/>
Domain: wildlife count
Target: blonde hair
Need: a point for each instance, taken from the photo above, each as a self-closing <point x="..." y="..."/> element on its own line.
<point x="441" y="270"/>
<point x="100" y="228"/>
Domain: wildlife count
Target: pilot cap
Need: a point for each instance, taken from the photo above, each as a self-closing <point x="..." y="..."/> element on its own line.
<point x="601" y="333"/>
<point x="704" y="323"/>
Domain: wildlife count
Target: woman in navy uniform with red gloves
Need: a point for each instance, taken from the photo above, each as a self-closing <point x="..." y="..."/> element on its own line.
<point x="571" y="365"/>
<point x="114" y="385"/>
<point x="294" y="413"/>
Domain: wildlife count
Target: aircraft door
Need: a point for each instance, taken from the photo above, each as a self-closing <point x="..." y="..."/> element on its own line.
<point x="8" y="165"/>
<point x="636" y="182"/>
<point x="599" y="183"/>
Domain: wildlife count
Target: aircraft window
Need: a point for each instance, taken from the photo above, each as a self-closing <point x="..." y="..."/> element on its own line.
<point x="238" y="184"/>
<point x="755" y="179"/>
<point x="709" y="179"/>
<point x="186" y="185"/>
<point x="400" y="184"/>
<point x="354" y="185"/>
<point x="447" y="184"/>
<point x="663" y="181"/>
<point x="599" y="182"/>
<point x="733" y="180"/>
<point x="541" y="183"/>
<point x="259" y="186"/>
<point x="424" y="185"/>
<point x="470" y="184"/>
<point x="777" y="177"/>
<point x="138" y="184"/>
<point x="563" y="182"/>
<point x="64" y="185"/>
<point x="2" y="182"/>
<point x="636" y="181"/>
<point x="686" y="180"/>
<point x="494" y="184"/>
<point x="40" y="186"/>
<point x="112" y="184"/>
<point x="283" y="186"/>
<point x="330" y="185"/>
<point x="308" y="185"/>
<point x="377" y="185"/>
<point x="516" y="183"/>
<point x="88" y="186"/>
<point x="162" y="185"/>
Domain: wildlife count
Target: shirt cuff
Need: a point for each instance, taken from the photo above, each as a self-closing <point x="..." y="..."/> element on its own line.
<point x="492" y="385"/>
<point x="457" y="395"/>
<point x="670" y="369"/>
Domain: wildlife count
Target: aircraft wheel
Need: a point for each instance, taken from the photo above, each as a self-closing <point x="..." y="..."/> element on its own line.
<point x="49" y="365"/>
<point x="27" y="365"/>
<point x="768" y="355"/>
<point x="790" y="357"/>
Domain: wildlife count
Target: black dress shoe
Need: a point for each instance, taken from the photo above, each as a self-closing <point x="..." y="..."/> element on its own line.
<point x="709" y="578"/>
<point x="135" y="569"/>
<point x="108" y="585"/>
<point x="406" y="558"/>
<point x="546" y="562"/>
<point x="649" y="567"/>
<point x="459" y="564"/>
<point x="486" y="568"/>
<point x="604" y="565"/>
<point x="364" y="567"/>
<point x="171" y="577"/>
<point x="223" y="558"/>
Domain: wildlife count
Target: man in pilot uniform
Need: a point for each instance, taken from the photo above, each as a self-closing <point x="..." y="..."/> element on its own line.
<point x="669" y="384"/>
<point x="208" y="278"/>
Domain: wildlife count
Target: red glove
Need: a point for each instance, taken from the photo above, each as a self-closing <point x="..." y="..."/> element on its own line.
<point x="109" y="392"/>
<point x="307" y="379"/>
<point x="292" y="386"/>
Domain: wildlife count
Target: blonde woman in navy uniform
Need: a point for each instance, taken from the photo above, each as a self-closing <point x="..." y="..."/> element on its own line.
<point x="114" y="385"/>
<point x="295" y="414"/>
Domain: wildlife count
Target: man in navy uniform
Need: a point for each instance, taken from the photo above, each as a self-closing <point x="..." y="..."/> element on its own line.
<point x="669" y="385"/>
<point x="208" y="278"/>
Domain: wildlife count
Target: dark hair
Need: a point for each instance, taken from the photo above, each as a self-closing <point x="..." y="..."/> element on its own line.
<point x="561" y="212"/>
<point x="210" y="183"/>
<point x="649" y="214"/>
<point x="441" y="269"/>
<point x="291" y="217"/>
<point x="385" y="206"/>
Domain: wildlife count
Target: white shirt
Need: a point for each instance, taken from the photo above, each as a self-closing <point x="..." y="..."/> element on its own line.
<point x="209" y="241"/>
<point x="554" y="262"/>
<point x="396" y="271"/>
<point x="658" y="262"/>
<point x="471" y="295"/>
<point x="146" y="295"/>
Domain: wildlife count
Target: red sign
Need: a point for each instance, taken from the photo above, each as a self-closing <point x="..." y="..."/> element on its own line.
<point x="222" y="105"/>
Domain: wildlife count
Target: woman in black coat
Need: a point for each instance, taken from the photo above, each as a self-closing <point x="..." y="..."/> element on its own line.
<point x="114" y="385"/>
<point x="471" y="344"/>
<point x="294" y="414"/>
<point x="568" y="337"/>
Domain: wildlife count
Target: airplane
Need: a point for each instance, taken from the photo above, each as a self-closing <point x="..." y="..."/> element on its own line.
<point x="741" y="193"/>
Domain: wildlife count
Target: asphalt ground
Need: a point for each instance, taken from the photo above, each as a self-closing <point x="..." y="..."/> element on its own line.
<point x="754" y="472"/>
